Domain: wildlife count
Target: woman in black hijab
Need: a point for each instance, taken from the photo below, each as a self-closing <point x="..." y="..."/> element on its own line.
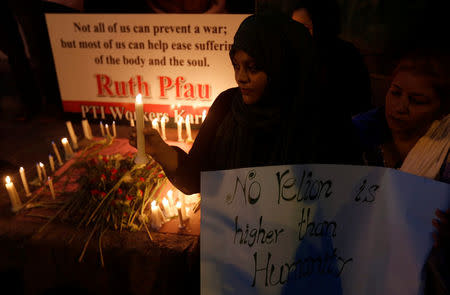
<point x="272" y="118"/>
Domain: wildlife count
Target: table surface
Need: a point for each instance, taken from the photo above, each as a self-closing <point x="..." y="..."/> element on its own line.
<point x="133" y="264"/>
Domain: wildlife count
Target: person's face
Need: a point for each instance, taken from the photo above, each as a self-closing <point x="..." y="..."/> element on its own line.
<point x="411" y="104"/>
<point x="302" y="16"/>
<point x="251" y="80"/>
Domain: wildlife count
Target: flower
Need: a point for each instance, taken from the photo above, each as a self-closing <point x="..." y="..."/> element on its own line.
<point x="160" y="175"/>
<point x="113" y="171"/>
<point x="129" y="198"/>
<point x="140" y="193"/>
<point x="142" y="179"/>
<point x="95" y="192"/>
<point x="113" y="177"/>
<point x="105" y="159"/>
<point x="119" y="191"/>
<point x="103" y="177"/>
<point x="102" y="194"/>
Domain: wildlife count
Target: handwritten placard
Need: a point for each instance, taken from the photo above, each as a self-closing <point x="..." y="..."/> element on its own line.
<point x="317" y="229"/>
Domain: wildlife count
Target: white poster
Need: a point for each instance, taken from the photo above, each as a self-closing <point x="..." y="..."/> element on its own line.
<point x="316" y="229"/>
<point x="178" y="62"/>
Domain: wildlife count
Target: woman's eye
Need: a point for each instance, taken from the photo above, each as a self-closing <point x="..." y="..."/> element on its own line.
<point x="253" y="68"/>
<point x="417" y="101"/>
<point x="235" y="66"/>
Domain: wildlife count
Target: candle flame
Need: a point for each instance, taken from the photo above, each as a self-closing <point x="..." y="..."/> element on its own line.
<point x="155" y="121"/>
<point x="139" y="98"/>
<point x="172" y="106"/>
<point x="153" y="203"/>
<point x="165" y="202"/>
<point x="180" y="120"/>
<point x="178" y="105"/>
<point x="64" y="140"/>
<point x="204" y="113"/>
<point x="114" y="122"/>
<point x="8" y="180"/>
<point x="40" y="164"/>
<point x="21" y="169"/>
<point x="178" y="205"/>
<point x="170" y="193"/>
<point x="106" y="125"/>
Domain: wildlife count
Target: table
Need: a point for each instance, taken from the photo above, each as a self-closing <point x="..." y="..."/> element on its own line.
<point x="48" y="263"/>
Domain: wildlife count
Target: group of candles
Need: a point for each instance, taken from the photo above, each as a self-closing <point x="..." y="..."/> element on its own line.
<point x="170" y="209"/>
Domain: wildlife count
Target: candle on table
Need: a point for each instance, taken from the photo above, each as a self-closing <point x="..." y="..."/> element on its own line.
<point x="179" y="129"/>
<point x="102" y="129"/>
<point x="13" y="195"/>
<point x="39" y="172"/>
<point x="73" y="137"/>
<point x="141" y="157"/>
<point x="156" y="219"/>
<point x="50" y="185"/>
<point x="107" y="130"/>
<point x="180" y="215"/>
<point x="132" y="122"/>
<point x="58" y="156"/>
<point x="86" y="129"/>
<point x="163" y="127"/>
<point x="24" y="182"/>
<point x="44" y="172"/>
<point x="171" y="202"/>
<point x="155" y="124"/>
<point x="203" y="116"/>
<point x="167" y="211"/>
<point x="183" y="203"/>
<point x="114" y="129"/>
<point x="67" y="149"/>
<point x="52" y="163"/>
<point x="188" y="128"/>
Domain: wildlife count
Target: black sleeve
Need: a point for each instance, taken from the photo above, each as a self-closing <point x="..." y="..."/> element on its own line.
<point x="187" y="176"/>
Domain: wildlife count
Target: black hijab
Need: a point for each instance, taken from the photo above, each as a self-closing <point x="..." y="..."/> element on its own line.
<point x="282" y="127"/>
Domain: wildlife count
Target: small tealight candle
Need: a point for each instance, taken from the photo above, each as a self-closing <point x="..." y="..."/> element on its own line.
<point x="50" y="185"/>
<point x="73" y="137"/>
<point x="114" y="129"/>
<point x="24" y="182"/>
<point x="102" y="129"/>
<point x="39" y="172"/>
<point x="107" y="130"/>
<point x="44" y="172"/>
<point x="67" y="149"/>
<point x="180" y="215"/>
<point x="16" y="204"/>
<point x="179" y="129"/>
<point x="163" y="127"/>
<point x="188" y="128"/>
<point x="52" y="163"/>
<point x="156" y="218"/>
<point x="155" y="124"/>
<point x="203" y="116"/>
<point x="58" y="156"/>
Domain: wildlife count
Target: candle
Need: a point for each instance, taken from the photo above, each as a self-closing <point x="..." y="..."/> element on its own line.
<point x="58" y="156"/>
<point x="163" y="127"/>
<point x="155" y="124"/>
<point x="203" y="116"/>
<point x="67" y="149"/>
<point x="107" y="130"/>
<point x="44" y="172"/>
<point x="39" y="172"/>
<point x="86" y="129"/>
<point x="13" y="195"/>
<point x="171" y="202"/>
<point x="141" y="157"/>
<point x="188" y="128"/>
<point x="24" y="182"/>
<point x="156" y="218"/>
<point x="102" y="129"/>
<point x="183" y="203"/>
<point x="114" y="129"/>
<point x="52" y="163"/>
<point x="180" y="215"/>
<point x="132" y="122"/>
<point x="73" y="137"/>
<point x="167" y="211"/>
<point x="180" y="126"/>
<point x="50" y="185"/>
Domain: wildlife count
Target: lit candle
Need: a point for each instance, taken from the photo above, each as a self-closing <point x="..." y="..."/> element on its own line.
<point x="86" y="129"/>
<point x="180" y="127"/>
<point x="171" y="202"/>
<point x="39" y="172"/>
<point x="155" y="124"/>
<point x="50" y="185"/>
<point x="73" y="137"/>
<point x="107" y="130"/>
<point x="44" y="172"/>
<point x="67" y="149"/>
<point x="180" y="215"/>
<point x="58" y="156"/>
<point x="163" y="127"/>
<point x="24" y="182"/>
<point x="132" y="122"/>
<point x="52" y="163"/>
<point x="183" y="203"/>
<point x="141" y="157"/>
<point x="114" y="129"/>
<point x="188" y="128"/>
<point x="13" y="195"/>
<point x="203" y="116"/>
<point x="167" y="211"/>
<point x="102" y="129"/>
<point x="156" y="218"/>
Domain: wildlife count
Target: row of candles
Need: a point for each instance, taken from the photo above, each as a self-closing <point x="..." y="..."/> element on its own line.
<point x="170" y="210"/>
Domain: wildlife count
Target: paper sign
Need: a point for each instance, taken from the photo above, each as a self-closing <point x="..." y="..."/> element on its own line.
<point x="176" y="61"/>
<point x="316" y="229"/>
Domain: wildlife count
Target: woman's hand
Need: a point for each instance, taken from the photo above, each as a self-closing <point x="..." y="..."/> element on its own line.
<point x="442" y="236"/>
<point x="154" y="144"/>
